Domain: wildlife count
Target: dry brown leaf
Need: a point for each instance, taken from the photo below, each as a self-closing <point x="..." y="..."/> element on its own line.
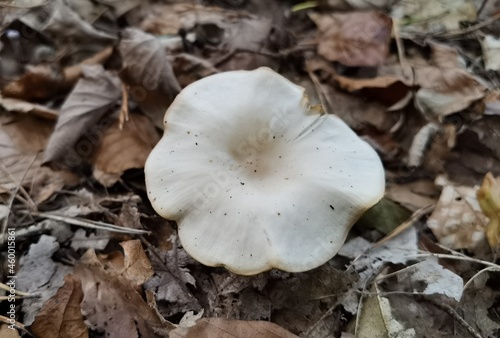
<point x="112" y="305"/>
<point x="22" y="140"/>
<point x="137" y="268"/>
<point x="414" y="195"/>
<point x="445" y="90"/>
<point x="6" y="332"/>
<point x="20" y="106"/>
<point x="125" y="149"/>
<point x="354" y="39"/>
<point x="61" y="316"/>
<point x="148" y="73"/>
<point x="227" y="328"/>
<point x="457" y="221"/>
<point x="90" y="100"/>
<point x="39" y="82"/>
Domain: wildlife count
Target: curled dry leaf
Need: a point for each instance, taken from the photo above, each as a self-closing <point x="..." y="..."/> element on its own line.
<point x="61" y="315"/>
<point x="112" y="305"/>
<point x="457" y="220"/>
<point x="125" y="149"/>
<point x="354" y="39"/>
<point x="489" y="200"/>
<point x="87" y="104"/>
<point x="226" y="328"/>
<point x="148" y="73"/>
<point x="7" y="332"/>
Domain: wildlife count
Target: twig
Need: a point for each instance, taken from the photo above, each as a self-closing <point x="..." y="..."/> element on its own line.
<point x="473" y="28"/>
<point x="17" y="324"/>
<point x="124" y="108"/>
<point x="7" y="288"/>
<point x="14" y="193"/>
<point x="90" y="224"/>
<point x="406" y="225"/>
<point x="463" y="258"/>
<point x="449" y="310"/>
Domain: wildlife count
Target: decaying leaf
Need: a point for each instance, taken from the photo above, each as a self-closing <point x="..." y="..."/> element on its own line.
<point x="489" y="200"/>
<point x="457" y="220"/>
<point x="22" y="139"/>
<point x="491" y="52"/>
<point x="61" y="315"/>
<point x="15" y="105"/>
<point x="429" y="277"/>
<point x="375" y="319"/>
<point x="137" y="268"/>
<point x="226" y="328"/>
<point x="41" y="275"/>
<point x="430" y="16"/>
<point x="354" y="39"/>
<point x="120" y="150"/>
<point x="171" y="279"/>
<point x="88" y="103"/>
<point x="148" y="73"/>
<point x="369" y="261"/>
<point x="111" y="304"/>
<point x="6" y="332"/>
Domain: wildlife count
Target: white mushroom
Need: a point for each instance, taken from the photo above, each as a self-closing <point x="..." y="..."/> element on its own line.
<point x="256" y="178"/>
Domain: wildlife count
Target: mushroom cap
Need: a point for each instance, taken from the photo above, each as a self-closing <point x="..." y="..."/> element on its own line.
<point x="256" y="178"/>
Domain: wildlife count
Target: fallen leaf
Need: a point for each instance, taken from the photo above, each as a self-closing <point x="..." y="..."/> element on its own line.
<point x="22" y="140"/>
<point x="6" y="332"/>
<point x="491" y="52"/>
<point x="457" y="221"/>
<point x="368" y="261"/>
<point x="148" y="73"/>
<point x="226" y="328"/>
<point x="428" y="277"/>
<point x="384" y="216"/>
<point x="431" y="16"/>
<point x="20" y="106"/>
<point x="120" y="150"/>
<point x="66" y="28"/>
<point x="354" y="39"/>
<point x="61" y="315"/>
<point x="375" y="319"/>
<point x="137" y="268"/>
<point x="39" y="82"/>
<point x="97" y="241"/>
<point x="446" y="90"/>
<point x="41" y="275"/>
<point x="112" y="305"/>
<point x="478" y="304"/>
<point x="81" y="115"/>
<point x="170" y="280"/>
<point x="488" y="197"/>
<point x="414" y="195"/>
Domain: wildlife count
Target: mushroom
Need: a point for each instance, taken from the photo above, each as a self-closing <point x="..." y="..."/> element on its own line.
<point x="256" y="178"/>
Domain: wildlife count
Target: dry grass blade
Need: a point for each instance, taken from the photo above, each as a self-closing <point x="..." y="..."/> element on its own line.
<point x="90" y="224"/>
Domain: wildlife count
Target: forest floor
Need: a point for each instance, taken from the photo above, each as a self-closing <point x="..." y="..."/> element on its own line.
<point x="84" y="89"/>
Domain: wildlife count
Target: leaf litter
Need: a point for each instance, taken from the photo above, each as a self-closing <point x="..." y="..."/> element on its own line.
<point x="84" y="87"/>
